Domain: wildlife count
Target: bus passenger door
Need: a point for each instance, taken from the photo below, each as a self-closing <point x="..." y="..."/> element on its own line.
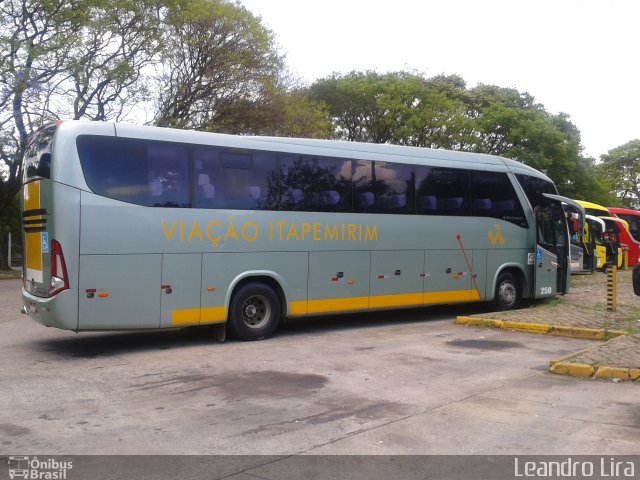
<point x="180" y="290"/>
<point x="551" y="265"/>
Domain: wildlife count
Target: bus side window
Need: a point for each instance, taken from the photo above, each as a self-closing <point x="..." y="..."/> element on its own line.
<point x="363" y="186"/>
<point x="442" y="191"/>
<point x="315" y="184"/>
<point x="168" y="175"/>
<point x="395" y="184"/>
<point x="116" y="168"/>
<point x="207" y="173"/>
<point x="493" y="195"/>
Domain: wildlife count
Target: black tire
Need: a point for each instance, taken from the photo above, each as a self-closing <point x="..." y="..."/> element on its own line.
<point x="508" y="292"/>
<point x="255" y="312"/>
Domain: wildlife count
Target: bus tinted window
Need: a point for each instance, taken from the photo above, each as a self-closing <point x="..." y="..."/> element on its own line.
<point x="442" y="191"/>
<point x="634" y="224"/>
<point x="381" y="187"/>
<point x="493" y="195"/>
<point x="209" y="191"/>
<point x="315" y="184"/>
<point x="115" y="167"/>
<point x="168" y="175"/>
<point x="235" y="179"/>
<point x="396" y="188"/>
<point x="534" y="188"/>
<point x="136" y="171"/>
<point x="153" y="173"/>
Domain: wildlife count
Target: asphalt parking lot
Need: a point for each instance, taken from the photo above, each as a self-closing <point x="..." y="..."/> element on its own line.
<point x="403" y="382"/>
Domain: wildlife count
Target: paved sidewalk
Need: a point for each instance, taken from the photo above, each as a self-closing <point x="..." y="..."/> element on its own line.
<point x="583" y="313"/>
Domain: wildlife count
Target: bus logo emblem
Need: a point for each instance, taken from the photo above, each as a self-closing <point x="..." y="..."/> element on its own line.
<point x="496" y="237"/>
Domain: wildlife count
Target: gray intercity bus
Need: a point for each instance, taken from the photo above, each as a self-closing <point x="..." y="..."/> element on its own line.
<point x="130" y="227"/>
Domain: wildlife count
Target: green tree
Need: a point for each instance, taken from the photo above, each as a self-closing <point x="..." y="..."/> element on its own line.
<point x="71" y="59"/>
<point x="34" y="38"/>
<point x="282" y="113"/>
<point x="368" y="107"/>
<point x="620" y="170"/>
<point x="217" y="53"/>
<point x="441" y="112"/>
<point x="10" y="224"/>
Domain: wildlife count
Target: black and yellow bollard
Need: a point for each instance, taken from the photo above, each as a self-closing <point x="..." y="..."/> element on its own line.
<point x="612" y="287"/>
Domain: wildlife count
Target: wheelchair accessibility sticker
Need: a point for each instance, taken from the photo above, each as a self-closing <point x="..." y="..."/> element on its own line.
<point x="45" y="242"/>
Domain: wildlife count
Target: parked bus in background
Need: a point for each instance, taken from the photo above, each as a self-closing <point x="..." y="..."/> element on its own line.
<point x="632" y="217"/>
<point x="582" y="239"/>
<point x="614" y="228"/>
<point x="594" y="241"/>
<point x="617" y="232"/>
<point x="129" y="227"/>
<point x="594" y="209"/>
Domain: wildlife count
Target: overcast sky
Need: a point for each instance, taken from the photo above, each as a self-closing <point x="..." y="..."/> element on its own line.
<point x="581" y="57"/>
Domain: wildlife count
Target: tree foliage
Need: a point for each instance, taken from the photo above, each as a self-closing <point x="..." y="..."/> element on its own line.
<point x="442" y="112"/>
<point x="216" y="53"/>
<point x="620" y="169"/>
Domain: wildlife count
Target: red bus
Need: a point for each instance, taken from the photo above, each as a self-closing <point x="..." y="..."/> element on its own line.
<point x="631" y="238"/>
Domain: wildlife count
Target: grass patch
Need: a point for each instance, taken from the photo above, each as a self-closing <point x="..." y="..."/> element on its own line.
<point x="549" y="302"/>
<point x="10" y="274"/>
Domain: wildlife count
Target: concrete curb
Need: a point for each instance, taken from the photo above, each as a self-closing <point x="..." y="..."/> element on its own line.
<point x="600" y="372"/>
<point x="574" y="332"/>
<point x="564" y="366"/>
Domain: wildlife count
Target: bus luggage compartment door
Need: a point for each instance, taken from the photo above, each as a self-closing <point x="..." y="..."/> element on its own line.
<point x="180" y="290"/>
<point x="119" y="291"/>
<point x="338" y="281"/>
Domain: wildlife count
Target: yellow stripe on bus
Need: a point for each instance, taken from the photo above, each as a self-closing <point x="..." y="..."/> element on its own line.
<point x="32" y="196"/>
<point x="386" y="301"/>
<point x="33" y="247"/>
<point x="337" y="304"/>
<point x="194" y="316"/>
<point x="380" y="301"/>
<point x="33" y="241"/>
<point x="429" y="298"/>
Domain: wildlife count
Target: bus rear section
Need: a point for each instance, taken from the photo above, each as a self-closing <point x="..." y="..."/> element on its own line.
<point x="49" y="291"/>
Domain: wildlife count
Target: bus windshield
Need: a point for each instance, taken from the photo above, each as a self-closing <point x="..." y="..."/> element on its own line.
<point x="634" y="224"/>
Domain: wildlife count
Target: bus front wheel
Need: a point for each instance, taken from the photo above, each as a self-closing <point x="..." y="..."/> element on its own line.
<point x="255" y="312"/>
<point x="507" y="296"/>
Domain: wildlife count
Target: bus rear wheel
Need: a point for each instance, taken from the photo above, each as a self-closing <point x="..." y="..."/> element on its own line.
<point x="255" y="312"/>
<point x="507" y="295"/>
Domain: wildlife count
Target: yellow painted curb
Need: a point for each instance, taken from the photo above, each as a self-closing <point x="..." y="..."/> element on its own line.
<point x="573" y="369"/>
<point x="526" y="327"/>
<point x="574" y="332"/>
<point x="620" y="373"/>
<point x="478" y="321"/>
